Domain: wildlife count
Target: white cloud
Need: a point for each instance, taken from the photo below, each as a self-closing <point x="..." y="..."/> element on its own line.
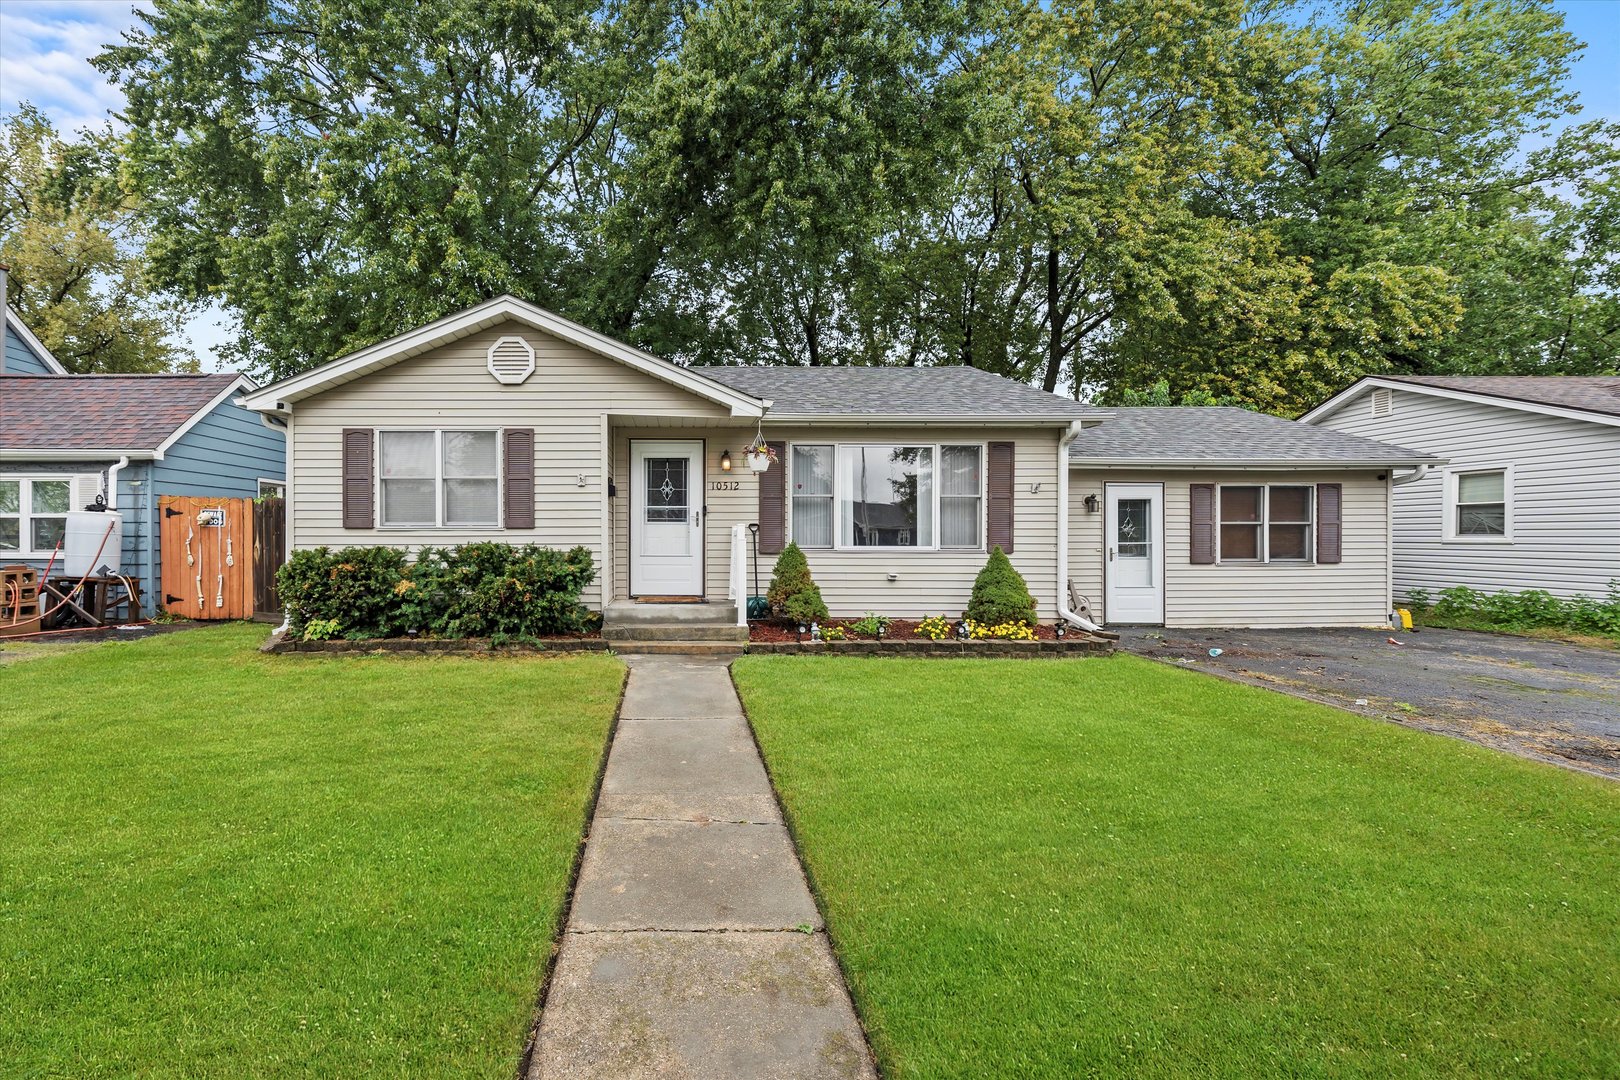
<point x="45" y="51"/>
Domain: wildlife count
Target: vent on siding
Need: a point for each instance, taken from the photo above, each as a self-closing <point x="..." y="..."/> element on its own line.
<point x="511" y="360"/>
<point x="1383" y="402"/>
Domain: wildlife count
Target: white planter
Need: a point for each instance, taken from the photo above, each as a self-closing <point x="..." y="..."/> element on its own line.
<point x="757" y="462"/>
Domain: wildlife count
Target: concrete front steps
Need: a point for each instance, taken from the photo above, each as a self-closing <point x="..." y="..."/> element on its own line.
<point x="702" y="629"/>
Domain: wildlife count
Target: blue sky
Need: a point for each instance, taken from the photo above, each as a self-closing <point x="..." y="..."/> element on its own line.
<point x="44" y="45"/>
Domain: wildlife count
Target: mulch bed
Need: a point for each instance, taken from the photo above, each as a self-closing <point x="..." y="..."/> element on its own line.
<point x="899" y="630"/>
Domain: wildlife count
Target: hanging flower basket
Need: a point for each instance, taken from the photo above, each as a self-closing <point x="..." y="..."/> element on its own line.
<point x="758" y="457"/>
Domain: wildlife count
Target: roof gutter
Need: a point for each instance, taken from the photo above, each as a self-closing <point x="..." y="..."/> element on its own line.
<point x="22" y="454"/>
<point x="1064" y="611"/>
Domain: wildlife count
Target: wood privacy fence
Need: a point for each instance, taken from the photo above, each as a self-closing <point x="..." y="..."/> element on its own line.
<point x="220" y="556"/>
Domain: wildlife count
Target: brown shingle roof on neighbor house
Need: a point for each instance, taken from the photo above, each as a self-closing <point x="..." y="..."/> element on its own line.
<point x="101" y="412"/>
<point x="1590" y="393"/>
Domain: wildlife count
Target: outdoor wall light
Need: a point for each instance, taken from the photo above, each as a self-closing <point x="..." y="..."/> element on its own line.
<point x="725" y="461"/>
<point x="1093" y="504"/>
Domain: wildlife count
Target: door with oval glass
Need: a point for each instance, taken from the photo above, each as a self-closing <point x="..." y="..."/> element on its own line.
<point x="666" y="517"/>
<point x="1133" y="575"/>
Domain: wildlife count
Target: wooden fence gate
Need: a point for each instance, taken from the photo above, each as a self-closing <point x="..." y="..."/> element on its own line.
<point x="219" y="556"/>
<point x="269" y="552"/>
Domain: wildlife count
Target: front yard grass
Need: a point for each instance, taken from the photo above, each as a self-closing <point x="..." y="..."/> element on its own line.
<point x="217" y="863"/>
<point x="1112" y="868"/>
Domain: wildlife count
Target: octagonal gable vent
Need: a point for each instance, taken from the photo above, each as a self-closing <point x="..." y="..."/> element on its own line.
<point x="511" y="360"/>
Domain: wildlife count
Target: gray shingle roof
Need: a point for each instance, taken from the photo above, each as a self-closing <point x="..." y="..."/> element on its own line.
<point x="1590" y="393"/>
<point x="1218" y="435"/>
<point x="902" y="392"/>
<point x="101" y="412"/>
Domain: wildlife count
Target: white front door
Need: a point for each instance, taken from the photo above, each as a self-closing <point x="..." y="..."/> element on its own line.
<point x="1133" y="544"/>
<point x="666" y="517"/>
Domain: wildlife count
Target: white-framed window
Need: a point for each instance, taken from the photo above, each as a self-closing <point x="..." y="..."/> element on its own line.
<point x="1266" y="523"/>
<point x="887" y="496"/>
<point x="272" y="489"/>
<point x="1479" y="504"/>
<point x="812" y="494"/>
<point x="33" y="513"/>
<point x="439" y="478"/>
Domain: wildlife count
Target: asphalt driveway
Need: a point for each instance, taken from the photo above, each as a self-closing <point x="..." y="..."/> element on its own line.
<point x="1541" y="699"/>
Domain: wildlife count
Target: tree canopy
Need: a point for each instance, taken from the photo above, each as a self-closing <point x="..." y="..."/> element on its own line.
<point x="72" y="238"/>
<point x="1247" y="200"/>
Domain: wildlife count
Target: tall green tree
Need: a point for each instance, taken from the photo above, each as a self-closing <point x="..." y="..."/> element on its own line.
<point x="340" y="170"/>
<point x="1395" y="210"/>
<point x="73" y="239"/>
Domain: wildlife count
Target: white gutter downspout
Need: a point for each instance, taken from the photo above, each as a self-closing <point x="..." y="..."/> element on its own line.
<point x="1410" y="478"/>
<point x="112" y="481"/>
<point x="1064" y="611"/>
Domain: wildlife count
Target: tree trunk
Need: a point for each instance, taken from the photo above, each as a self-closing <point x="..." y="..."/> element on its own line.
<point x="1054" y="325"/>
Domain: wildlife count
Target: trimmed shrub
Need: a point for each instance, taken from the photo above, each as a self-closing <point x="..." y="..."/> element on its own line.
<point x="355" y="587"/>
<point x="1000" y="594"/>
<point x="794" y="594"/>
<point x="476" y="590"/>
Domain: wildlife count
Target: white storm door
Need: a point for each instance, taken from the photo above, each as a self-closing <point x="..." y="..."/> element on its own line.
<point x="666" y="518"/>
<point x="1133" y="545"/>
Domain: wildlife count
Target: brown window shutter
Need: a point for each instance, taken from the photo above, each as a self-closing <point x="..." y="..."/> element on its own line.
<point x="357" y="478"/>
<point x="773" y="503"/>
<point x="1202" y="524"/>
<point x="1329" y="523"/>
<point x="999" y="487"/>
<point x="519" y="467"/>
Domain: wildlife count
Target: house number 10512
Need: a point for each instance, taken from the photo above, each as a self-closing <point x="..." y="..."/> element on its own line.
<point x="725" y="485"/>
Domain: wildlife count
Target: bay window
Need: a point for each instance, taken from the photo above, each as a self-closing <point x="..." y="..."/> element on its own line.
<point x="33" y="512"/>
<point x="432" y="478"/>
<point x="1267" y="523"/>
<point x="887" y="495"/>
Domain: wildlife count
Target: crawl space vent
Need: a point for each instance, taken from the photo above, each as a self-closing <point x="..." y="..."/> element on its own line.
<point x="511" y="360"/>
<point x="1382" y="402"/>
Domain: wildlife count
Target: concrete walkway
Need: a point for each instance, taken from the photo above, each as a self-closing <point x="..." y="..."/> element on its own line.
<point x="693" y="948"/>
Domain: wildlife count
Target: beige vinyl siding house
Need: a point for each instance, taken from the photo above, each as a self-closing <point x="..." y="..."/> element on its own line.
<point x="1540" y="455"/>
<point x="507" y="423"/>
<point x="1352" y="592"/>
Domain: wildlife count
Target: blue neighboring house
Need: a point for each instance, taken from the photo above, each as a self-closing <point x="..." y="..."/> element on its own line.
<point x="129" y="439"/>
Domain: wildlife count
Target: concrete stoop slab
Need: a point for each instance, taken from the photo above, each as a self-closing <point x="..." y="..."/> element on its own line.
<point x="677" y="688"/>
<point x="684" y="875"/>
<point x="681" y="1006"/>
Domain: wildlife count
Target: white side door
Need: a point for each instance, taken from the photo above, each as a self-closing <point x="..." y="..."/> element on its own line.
<point x="1133" y="545"/>
<point x="666" y="517"/>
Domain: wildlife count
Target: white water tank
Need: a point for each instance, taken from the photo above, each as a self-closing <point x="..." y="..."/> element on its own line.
<point x="86" y="529"/>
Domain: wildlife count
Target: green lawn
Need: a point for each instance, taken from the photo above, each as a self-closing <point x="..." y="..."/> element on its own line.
<point x="1113" y="868"/>
<point x="216" y="863"/>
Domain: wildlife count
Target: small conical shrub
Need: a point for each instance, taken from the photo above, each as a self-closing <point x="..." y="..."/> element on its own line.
<point x="1000" y="595"/>
<point x="793" y="593"/>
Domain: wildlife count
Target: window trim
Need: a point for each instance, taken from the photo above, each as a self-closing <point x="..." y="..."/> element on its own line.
<point x="1448" y="522"/>
<point x="1264" y="525"/>
<point x="438" y="524"/>
<point x="983" y="448"/>
<point x="279" y="485"/>
<point x="25" y="514"/>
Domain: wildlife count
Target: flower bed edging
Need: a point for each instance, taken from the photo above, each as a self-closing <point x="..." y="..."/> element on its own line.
<point x="1070" y="646"/>
<point x="438" y="646"/>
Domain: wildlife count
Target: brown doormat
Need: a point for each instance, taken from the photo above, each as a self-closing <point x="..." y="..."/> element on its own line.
<point x="669" y="599"/>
